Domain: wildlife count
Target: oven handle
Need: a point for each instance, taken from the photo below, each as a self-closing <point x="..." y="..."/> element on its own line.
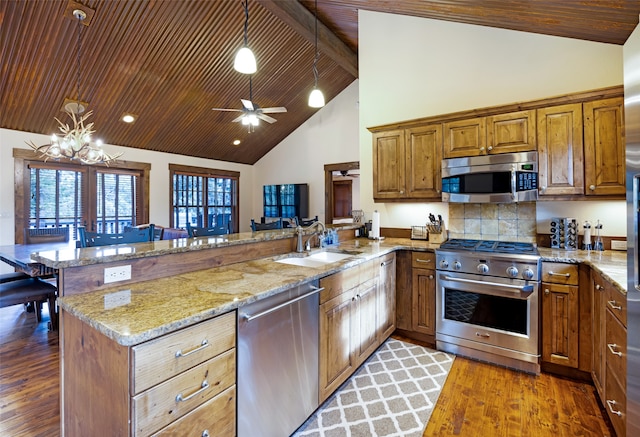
<point x="523" y="289"/>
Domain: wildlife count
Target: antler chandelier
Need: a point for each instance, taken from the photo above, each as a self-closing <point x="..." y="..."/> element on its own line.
<point x="75" y="143"/>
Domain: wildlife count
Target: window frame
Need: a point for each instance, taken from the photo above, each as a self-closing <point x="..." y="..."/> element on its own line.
<point x="24" y="158"/>
<point x="208" y="173"/>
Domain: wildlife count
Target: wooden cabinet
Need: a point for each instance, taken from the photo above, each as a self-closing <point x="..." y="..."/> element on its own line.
<point x="407" y="162"/>
<point x="609" y="370"/>
<point x="499" y="133"/>
<point x="560" y="150"/>
<point x="423" y="292"/>
<point x="604" y="147"/>
<point x="560" y="314"/>
<point x="177" y="383"/>
<point x="357" y="313"/>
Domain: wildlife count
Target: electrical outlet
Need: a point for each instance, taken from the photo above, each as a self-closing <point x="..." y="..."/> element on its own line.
<point x="618" y="244"/>
<point x="117" y="299"/>
<point x="115" y="274"/>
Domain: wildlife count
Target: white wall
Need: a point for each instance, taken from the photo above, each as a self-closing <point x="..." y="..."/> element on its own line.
<point x="414" y="67"/>
<point x="330" y="136"/>
<point x="158" y="184"/>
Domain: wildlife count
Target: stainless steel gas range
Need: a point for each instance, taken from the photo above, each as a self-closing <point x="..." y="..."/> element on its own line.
<point x="487" y="296"/>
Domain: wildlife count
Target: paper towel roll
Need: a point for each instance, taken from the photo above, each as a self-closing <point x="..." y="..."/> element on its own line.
<point x="375" y="225"/>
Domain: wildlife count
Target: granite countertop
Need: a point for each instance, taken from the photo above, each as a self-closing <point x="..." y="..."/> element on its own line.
<point x="612" y="264"/>
<point x="135" y="313"/>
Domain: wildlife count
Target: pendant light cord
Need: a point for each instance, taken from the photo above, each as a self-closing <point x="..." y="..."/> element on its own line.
<point x="315" y="60"/>
<point x="246" y="20"/>
<point x="79" y="18"/>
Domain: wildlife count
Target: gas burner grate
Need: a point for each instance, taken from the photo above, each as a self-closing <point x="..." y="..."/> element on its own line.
<point x="490" y="246"/>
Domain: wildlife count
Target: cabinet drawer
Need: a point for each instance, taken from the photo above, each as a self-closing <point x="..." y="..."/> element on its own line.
<point x="423" y="260"/>
<point x="616" y="403"/>
<point x="617" y="303"/>
<point x="338" y="283"/>
<point x="560" y="273"/>
<point x="216" y="417"/>
<point x="166" y="402"/>
<point x="616" y="348"/>
<point x="158" y="360"/>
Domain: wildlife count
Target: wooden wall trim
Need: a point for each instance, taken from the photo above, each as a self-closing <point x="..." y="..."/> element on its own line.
<point x="584" y="96"/>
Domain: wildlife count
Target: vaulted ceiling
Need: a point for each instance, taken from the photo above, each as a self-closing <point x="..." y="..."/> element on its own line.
<point x="170" y="61"/>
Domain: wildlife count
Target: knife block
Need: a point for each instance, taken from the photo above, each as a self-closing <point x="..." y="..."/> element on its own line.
<point x="438" y="237"/>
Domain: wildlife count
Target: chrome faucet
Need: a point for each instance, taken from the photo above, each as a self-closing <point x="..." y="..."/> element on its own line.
<point x="300" y="232"/>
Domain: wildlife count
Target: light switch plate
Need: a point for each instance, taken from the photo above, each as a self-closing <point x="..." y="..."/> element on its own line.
<point x="618" y="244"/>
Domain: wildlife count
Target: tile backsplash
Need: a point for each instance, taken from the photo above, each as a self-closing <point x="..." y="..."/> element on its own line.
<point x="493" y="221"/>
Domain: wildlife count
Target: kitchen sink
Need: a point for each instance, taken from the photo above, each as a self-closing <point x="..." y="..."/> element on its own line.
<point x="317" y="259"/>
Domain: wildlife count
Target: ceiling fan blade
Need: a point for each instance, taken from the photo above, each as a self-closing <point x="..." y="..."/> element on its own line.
<point x="238" y="118"/>
<point x="226" y="109"/>
<point x="266" y="118"/>
<point x="247" y="104"/>
<point x="274" y="110"/>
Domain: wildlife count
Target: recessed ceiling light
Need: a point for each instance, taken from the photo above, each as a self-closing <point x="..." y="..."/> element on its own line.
<point x="236" y="142"/>
<point x="128" y="118"/>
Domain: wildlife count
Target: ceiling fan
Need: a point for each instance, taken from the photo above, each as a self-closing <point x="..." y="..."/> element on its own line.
<point x="346" y="174"/>
<point x="251" y="112"/>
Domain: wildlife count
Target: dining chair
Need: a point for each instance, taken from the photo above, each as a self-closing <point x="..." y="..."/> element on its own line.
<point x="277" y="224"/>
<point x="46" y="235"/>
<point x="157" y="230"/>
<point x="93" y="239"/>
<point x="195" y="231"/>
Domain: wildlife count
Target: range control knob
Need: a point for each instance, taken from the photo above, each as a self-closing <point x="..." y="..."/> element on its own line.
<point x="444" y="263"/>
<point x="457" y="265"/>
<point x="527" y="274"/>
<point x="483" y="268"/>
<point x="512" y="272"/>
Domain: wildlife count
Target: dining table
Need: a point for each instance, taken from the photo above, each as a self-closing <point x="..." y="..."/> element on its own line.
<point x="18" y="256"/>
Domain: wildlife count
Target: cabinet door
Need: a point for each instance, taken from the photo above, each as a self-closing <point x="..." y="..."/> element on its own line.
<point x="560" y="324"/>
<point x="424" y="161"/>
<point x="599" y="332"/>
<point x="560" y="151"/>
<point x="365" y="317"/>
<point x="424" y="301"/>
<point x="387" y="297"/>
<point x="389" y="165"/>
<point x="465" y="137"/>
<point x="336" y="357"/>
<point x="404" y="296"/>
<point x="511" y="132"/>
<point x="604" y="147"/>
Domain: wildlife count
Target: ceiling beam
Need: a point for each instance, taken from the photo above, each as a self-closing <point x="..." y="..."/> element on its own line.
<point x="302" y="21"/>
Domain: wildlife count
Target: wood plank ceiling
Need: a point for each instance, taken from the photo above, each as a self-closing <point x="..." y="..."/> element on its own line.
<point x="170" y="62"/>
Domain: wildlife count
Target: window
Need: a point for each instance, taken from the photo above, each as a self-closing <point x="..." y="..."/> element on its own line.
<point x="204" y="197"/>
<point x="286" y="200"/>
<point x="63" y="193"/>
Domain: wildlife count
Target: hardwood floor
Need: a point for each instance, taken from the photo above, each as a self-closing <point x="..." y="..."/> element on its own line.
<point x="478" y="399"/>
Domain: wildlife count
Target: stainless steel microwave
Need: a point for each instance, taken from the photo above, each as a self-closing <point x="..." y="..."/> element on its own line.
<point x="501" y="178"/>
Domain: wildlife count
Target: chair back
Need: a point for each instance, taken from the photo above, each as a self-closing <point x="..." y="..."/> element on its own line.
<point x="93" y="239"/>
<point x="46" y="235"/>
<point x="266" y="226"/>
<point x="195" y="231"/>
<point x="157" y="230"/>
<point x="174" y="233"/>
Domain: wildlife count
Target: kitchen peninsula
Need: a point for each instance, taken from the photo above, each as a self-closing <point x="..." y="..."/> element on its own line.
<point x="120" y="321"/>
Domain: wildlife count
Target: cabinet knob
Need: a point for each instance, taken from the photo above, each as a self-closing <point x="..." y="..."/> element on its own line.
<point x="401" y="191"/>
<point x="490" y="148"/>
<point x="546" y="291"/>
<point x="599" y="287"/>
<point x="482" y="149"/>
<point x="430" y="276"/>
<point x="543" y="189"/>
<point x="592" y="187"/>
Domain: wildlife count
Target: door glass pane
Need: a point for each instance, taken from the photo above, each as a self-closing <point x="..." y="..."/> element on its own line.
<point x="116" y="202"/>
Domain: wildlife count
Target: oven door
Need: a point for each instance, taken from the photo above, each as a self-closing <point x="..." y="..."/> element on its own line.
<point x="500" y="313"/>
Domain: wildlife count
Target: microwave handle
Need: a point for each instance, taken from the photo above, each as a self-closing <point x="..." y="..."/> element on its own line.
<point x="514" y="193"/>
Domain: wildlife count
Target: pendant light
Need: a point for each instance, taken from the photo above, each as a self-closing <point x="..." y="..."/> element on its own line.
<point x="245" y="61"/>
<point x="316" y="98"/>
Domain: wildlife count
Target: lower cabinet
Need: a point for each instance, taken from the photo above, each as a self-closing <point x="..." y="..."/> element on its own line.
<point x="416" y="295"/>
<point x="182" y="383"/>
<point x="357" y="314"/>
<point x="609" y="369"/>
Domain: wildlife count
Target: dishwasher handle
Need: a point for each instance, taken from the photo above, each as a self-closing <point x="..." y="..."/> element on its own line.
<point x="250" y="317"/>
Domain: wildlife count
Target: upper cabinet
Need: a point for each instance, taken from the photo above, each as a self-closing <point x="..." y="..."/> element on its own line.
<point x="604" y="147"/>
<point x="579" y="138"/>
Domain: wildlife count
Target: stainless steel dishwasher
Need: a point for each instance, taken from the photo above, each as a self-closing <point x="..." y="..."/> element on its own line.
<point x="278" y="362"/>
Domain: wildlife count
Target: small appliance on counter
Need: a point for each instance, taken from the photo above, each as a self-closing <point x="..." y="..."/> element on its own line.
<point x="586" y="239"/>
<point x="564" y="233"/>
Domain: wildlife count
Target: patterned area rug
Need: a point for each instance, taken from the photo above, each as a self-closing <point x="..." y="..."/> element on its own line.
<point x="392" y="394"/>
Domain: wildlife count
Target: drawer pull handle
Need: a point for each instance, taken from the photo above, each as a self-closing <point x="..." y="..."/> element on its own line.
<point x="616" y="412"/>
<point x="612" y="347"/>
<point x="204" y="344"/>
<point x="420" y="260"/>
<point x="203" y="387"/>
<point x="565" y="275"/>
<point x="612" y="304"/>
<point x="478" y="334"/>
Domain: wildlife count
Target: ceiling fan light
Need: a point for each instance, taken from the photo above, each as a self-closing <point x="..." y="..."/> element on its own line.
<point x="245" y="120"/>
<point x="253" y="119"/>
<point x="316" y="98"/>
<point x="245" y="61"/>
